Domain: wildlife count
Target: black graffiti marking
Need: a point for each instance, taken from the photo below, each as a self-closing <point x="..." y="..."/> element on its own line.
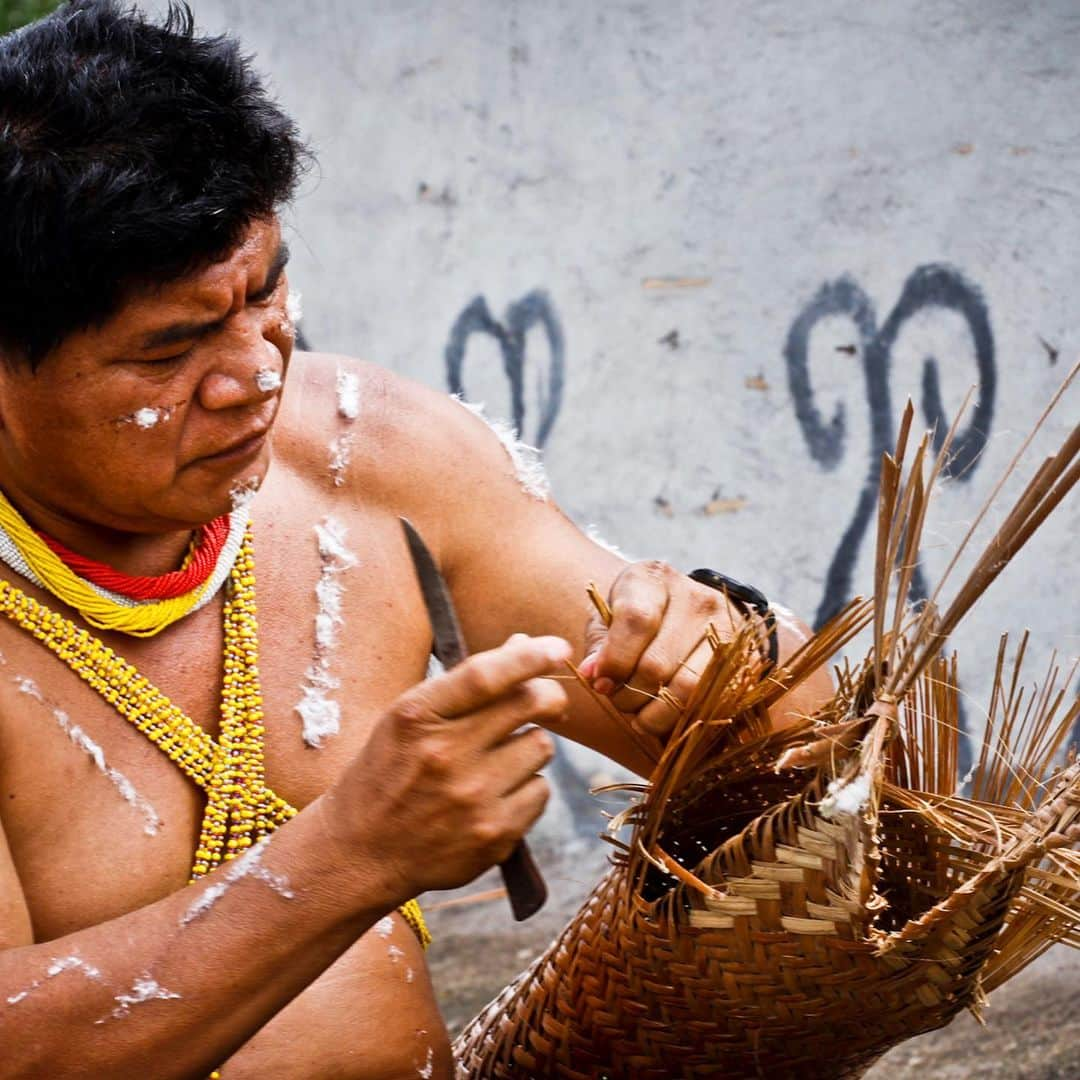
<point x="928" y="287"/>
<point x="532" y="310"/>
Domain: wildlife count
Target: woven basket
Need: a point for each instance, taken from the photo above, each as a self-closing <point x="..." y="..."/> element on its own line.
<point x="796" y="902"/>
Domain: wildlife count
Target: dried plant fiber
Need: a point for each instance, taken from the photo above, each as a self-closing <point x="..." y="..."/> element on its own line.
<point x="794" y="903"/>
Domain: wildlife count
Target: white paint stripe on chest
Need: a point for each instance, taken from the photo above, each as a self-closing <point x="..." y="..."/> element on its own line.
<point x="340" y="455"/>
<point x="319" y="713"/>
<point x="151" y="820"/>
<point x="348" y="394"/>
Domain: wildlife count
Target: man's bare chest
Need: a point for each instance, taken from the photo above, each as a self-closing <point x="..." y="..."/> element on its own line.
<point x="99" y="819"/>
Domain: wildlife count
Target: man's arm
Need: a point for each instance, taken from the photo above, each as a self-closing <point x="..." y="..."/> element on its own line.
<point x="174" y="988"/>
<point x="515" y="561"/>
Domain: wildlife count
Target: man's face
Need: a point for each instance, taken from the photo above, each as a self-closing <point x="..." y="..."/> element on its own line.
<point x="156" y="419"/>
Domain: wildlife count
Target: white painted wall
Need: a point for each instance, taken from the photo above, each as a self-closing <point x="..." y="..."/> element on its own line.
<point x="749" y="152"/>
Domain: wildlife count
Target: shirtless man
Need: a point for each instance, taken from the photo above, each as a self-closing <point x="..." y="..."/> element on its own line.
<point x="145" y="340"/>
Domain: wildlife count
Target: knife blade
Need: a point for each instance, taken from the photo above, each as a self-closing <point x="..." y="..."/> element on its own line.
<point x="524" y="883"/>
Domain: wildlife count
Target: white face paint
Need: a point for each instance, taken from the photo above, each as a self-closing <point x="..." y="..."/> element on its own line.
<point x="149" y="416"/>
<point x="267" y="379"/>
<point x="294" y="307"/>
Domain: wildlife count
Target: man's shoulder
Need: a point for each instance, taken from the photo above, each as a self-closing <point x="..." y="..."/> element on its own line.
<point x="352" y="424"/>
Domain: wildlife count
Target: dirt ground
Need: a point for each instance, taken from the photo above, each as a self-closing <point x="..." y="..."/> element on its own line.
<point x="1032" y="1025"/>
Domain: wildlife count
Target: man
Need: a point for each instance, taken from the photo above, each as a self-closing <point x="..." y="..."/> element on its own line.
<point x="145" y="340"/>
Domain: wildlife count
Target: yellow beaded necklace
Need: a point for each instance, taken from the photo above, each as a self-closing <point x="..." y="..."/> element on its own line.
<point x="141" y="620"/>
<point x="240" y="808"/>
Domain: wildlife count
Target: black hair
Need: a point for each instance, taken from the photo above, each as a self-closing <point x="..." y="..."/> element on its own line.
<point x="131" y="152"/>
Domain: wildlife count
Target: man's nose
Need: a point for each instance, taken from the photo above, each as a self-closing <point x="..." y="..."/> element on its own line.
<point x="248" y="369"/>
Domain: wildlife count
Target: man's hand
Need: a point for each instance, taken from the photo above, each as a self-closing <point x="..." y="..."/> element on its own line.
<point x="656" y="639"/>
<point x="447" y="785"/>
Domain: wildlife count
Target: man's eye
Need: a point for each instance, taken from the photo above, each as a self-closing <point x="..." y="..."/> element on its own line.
<point x="263" y="295"/>
<point x="165" y="361"/>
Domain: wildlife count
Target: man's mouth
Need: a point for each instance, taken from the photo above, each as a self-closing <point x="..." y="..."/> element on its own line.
<point x="237" y="451"/>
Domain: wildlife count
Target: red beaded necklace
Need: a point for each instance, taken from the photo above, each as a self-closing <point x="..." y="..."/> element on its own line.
<point x="202" y="557"/>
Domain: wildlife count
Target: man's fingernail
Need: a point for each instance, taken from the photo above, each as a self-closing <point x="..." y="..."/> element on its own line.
<point x="558" y="650"/>
<point x="603" y="685"/>
<point x="588" y="665"/>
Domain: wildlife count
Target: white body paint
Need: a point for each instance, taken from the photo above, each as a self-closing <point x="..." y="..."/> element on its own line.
<point x="243" y="491"/>
<point x="596" y="538"/>
<point x="340" y="456"/>
<point x="248" y="865"/>
<point x="395" y="954"/>
<point x="348" y="394"/>
<point x="267" y="379"/>
<point x="320" y="715"/>
<point x="428" y="1067"/>
<point x="145" y="988"/>
<point x="58" y="966"/>
<point x="788" y="620"/>
<point x="385" y="926"/>
<point x="148" y="416"/>
<point x="528" y="467"/>
<point x="151" y="820"/>
<point x="294" y="307"/>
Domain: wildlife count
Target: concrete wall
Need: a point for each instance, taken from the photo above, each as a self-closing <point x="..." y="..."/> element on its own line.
<point x="718" y="245"/>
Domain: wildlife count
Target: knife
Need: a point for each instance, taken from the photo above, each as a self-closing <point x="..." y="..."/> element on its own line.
<point x="524" y="883"/>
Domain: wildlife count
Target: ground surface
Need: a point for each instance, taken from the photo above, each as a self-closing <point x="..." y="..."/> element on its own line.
<point x="1033" y="1023"/>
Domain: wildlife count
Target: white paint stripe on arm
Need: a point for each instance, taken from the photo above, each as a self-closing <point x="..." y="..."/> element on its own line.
<point x="526" y="459"/>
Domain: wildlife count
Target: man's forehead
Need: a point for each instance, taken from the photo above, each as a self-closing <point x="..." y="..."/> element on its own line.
<point x="261" y="253"/>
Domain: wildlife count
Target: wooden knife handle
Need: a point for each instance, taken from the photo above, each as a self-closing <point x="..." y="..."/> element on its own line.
<point x="524" y="883"/>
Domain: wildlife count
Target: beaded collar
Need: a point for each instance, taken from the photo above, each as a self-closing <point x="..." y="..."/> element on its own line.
<point x="30" y="556"/>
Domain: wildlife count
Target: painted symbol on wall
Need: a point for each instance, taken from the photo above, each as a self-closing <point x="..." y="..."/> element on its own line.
<point x="931" y="286"/>
<point x="534" y="309"/>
